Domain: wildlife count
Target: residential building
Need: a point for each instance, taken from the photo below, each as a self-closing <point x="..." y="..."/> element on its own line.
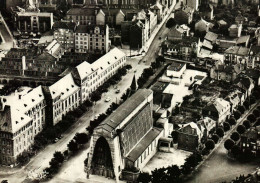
<point x="255" y="56"/>
<point x="62" y="97"/>
<point x="178" y="32"/>
<point x="234" y="100"/>
<point x="64" y="34"/>
<point x="225" y="72"/>
<point x="218" y="110"/>
<point x="206" y="10"/>
<point x="82" y="16"/>
<point x="126" y="139"/>
<point x="235" y="30"/>
<point x="184" y="15"/>
<point x="32" y="22"/>
<point x="92" y="39"/>
<point x="250" y="140"/>
<point x="90" y="76"/>
<point x="194" y="4"/>
<point x="22" y="117"/>
<point x="245" y="84"/>
<point x="175" y="70"/>
<point x="190" y="136"/>
<point x="208" y="124"/>
<point x="203" y="26"/>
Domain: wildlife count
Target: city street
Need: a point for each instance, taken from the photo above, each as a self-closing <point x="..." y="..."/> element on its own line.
<point x="218" y="167"/>
<point x="80" y="126"/>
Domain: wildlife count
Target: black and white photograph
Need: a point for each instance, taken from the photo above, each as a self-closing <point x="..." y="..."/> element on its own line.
<point x="129" y="91"/>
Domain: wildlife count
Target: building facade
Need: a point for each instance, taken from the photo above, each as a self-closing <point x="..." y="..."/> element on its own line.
<point x="22" y="117"/>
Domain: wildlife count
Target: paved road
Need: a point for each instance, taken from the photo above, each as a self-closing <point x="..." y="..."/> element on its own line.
<point x="41" y="161"/>
<point x="218" y="167"/>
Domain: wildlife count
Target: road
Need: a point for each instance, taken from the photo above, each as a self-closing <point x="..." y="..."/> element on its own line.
<point x="218" y="167"/>
<point x="45" y="155"/>
<point x="101" y="106"/>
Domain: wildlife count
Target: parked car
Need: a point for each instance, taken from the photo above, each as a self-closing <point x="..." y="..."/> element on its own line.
<point x="118" y="91"/>
<point x="107" y="99"/>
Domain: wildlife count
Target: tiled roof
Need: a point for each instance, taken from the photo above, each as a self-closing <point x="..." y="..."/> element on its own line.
<point x="84" y="69"/>
<point x="82" y="11"/>
<point x="211" y="36"/>
<point x="175" y="66"/>
<point x="64" y="25"/>
<point x="64" y="87"/>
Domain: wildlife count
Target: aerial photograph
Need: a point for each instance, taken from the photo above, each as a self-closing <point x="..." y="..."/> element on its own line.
<point x="129" y="91"/>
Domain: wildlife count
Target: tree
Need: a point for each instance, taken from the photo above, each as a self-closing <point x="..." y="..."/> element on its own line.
<point x="241" y="109"/>
<point x="174" y="172"/>
<point x="251" y="118"/>
<point x="88" y="103"/>
<point x="246" y="104"/>
<point x="246" y="123"/>
<point x="73" y="146"/>
<point x="170" y="23"/>
<point x="174" y="136"/>
<point x="133" y="86"/>
<point x="210" y="144"/>
<point x="229" y="144"/>
<point x="58" y="156"/>
<point x="81" y="138"/>
<point x="144" y="177"/>
<point x="235" y="136"/>
<point x="54" y="164"/>
<point x="237" y="115"/>
<point x="220" y="132"/>
<point x="252" y="100"/>
<point x="241" y="129"/>
<point x="256" y="112"/>
<point x="226" y="126"/>
<point x="176" y="110"/>
<point x="232" y="121"/>
<point x="95" y="96"/>
<point x="235" y="150"/>
<point x="215" y="138"/>
<point x="23" y="158"/>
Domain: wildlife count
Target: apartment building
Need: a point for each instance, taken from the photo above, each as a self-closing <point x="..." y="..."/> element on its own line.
<point x="92" y="38"/>
<point x="64" y="34"/>
<point x="91" y="76"/>
<point x="62" y="97"/>
<point x="22" y="117"/>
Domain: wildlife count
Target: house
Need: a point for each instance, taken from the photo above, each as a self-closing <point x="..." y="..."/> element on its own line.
<point x="245" y="84"/>
<point x="62" y="97"/>
<point x="82" y="16"/>
<point x="184" y="48"/>
<point x="235" y="30"/>
<point x="234" y="100"/>
<point x="22" y="117"/>
<point x="184" y="15"/>
<point x="158" y="9"/>
<point x="238" y="55"/>
<point x="225" y="72"/>
<point x="254" y="74"/>
<point x="255" y="53"/>
<point x="203" y="26"/>
<point x="158" y="89"/>
<point x="190" y="136"/>
<point x="250" y="140"/>
<point x="208" y="124"/>
<point x="175" y="70"/>
<point x="194" y="4"/>
<point x="206" y="10"/>
<point x="64" y="34"/>
<point x="178" y="32"/>
<point x="240" y="19"/>
<point x="218" y="110"/>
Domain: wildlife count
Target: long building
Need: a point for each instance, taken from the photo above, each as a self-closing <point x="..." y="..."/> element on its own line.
<point x="22" y="117"/>
<point x="126" y="139"/>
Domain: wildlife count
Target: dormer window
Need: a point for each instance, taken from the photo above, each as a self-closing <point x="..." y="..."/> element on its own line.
<point x="92" y="69"/>
<point x="115" y="58"/>
<point x="40" y="95"/>
<point x="67" y="89"/>
<point x="108" y="62"/>
<point x="33" y="100"/>
<point x="72" y="86"/>
<point x="16" y="122"/>
<point x="25" y="105"/>
<point x="22" y="118"/>
<point x="53" y="92"/>
<point x="62" y="93"/>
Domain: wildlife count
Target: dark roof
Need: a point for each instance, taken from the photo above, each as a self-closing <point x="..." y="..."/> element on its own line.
<point x="64" y="25"/>
<point x="252" y="133"/>
<point x="255" y="49"/>
<point x="88" y="28"/>
<point x="159" y="86"/>
<point x="211" y="36"/>
<point x="229" y="68"/>
<point x="176" y="66"/>
<point x="253" y="73"/>
<point x="124" y="110"/>
<point x="245" y="81"/>
<point x="143" y="144"/>
<point x="82" y="11"/>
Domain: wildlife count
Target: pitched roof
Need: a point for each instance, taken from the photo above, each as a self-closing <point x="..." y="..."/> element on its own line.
<point x="244" y="81"/>
<point x="211" y="36"/>
<point x="82" y="11"/>
<point x="64" y="25"/>
<point x="116" y="118"/>
<point x="85" y="69"/>
<point x="64" y="87"/>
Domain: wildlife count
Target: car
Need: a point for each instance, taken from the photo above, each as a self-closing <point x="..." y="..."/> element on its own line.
<point x="118" y="91"/>
<point x="160" y="38"/>
<point x="107" y="99"/>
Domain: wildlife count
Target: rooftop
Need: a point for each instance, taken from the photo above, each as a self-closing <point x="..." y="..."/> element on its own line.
<point x="175" y="66"/>
<point x="116" y="118"/>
